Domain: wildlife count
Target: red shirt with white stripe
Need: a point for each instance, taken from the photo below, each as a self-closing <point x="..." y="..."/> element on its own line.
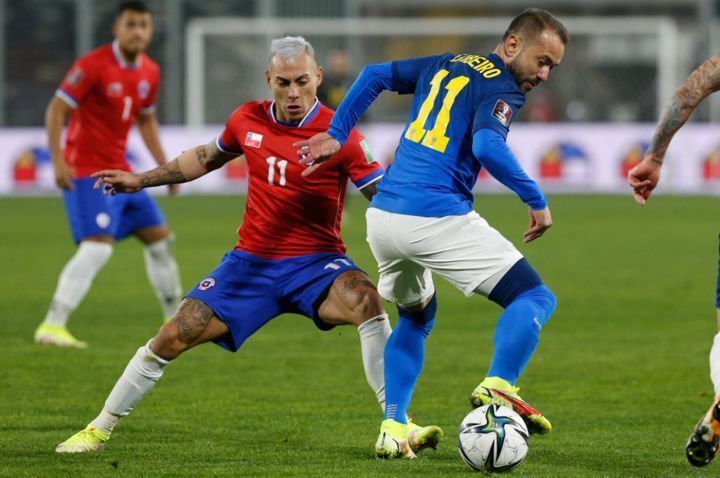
<point x="106" y="94"/>
<point x="287" y="215"/>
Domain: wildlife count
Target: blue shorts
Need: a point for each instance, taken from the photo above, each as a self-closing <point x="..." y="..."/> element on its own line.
<point x="246" y="291"/>
<point x="91" y="213"/>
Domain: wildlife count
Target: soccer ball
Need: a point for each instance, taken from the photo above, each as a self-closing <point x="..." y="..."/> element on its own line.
<point x="493" y="438"/>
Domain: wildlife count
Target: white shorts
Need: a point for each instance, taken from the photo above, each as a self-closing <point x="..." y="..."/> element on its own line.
<point x="464" y="250"/>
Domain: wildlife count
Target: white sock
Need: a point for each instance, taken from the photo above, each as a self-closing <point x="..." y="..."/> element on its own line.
<point x="75" y="280"/>
<point x="139" y="377"/>
<point x="715" y="364"/>
<point x="374" y="334"/>
<point x="162" y="270"/>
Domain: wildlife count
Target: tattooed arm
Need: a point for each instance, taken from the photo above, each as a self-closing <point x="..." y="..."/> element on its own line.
<point x="190" y="165"/>
<point x="703" y="81"/>
<point x="644" y="177"/>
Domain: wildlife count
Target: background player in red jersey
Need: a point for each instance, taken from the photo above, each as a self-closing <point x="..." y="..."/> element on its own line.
<point x="289" y="257"/>
<point x="105" y="92"/>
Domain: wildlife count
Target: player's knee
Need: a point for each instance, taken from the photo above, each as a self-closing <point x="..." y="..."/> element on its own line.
<point x="159" y="250"/>
<point x="170" y="342"/>
<point x="369" y="304"/>
<point x="543" y="298"/>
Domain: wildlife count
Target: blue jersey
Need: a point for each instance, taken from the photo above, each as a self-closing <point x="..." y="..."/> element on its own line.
<point x="434" y="170"/>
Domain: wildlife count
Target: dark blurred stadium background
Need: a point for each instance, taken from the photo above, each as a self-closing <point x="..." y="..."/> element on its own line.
<point x="580" y="132"/>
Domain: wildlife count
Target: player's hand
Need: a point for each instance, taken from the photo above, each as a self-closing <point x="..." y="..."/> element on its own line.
<point x="644" y="177"/>
<point x="540" y="221"/>
<point x="63" y="175"/>
<point x="114" y="181"/>
<point x="173" y="189"/>
<point x="316" y="150"/>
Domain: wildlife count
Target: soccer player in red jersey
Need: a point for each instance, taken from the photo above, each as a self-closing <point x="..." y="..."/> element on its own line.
<point x="104" y="93"/>
<point x="290" y="256"/>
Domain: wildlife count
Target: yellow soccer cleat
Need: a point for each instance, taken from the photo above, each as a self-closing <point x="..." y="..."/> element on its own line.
<point x="90" y="439"/>
<point x="498" y="391"/>
<point x="420" y="438"/>
<point x="704" y="442"/>
<point x="58" y="336"/>
<point x="393" y="441"/>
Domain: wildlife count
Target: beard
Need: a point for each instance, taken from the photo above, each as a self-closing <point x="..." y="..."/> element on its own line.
<point x="520" y="77"/>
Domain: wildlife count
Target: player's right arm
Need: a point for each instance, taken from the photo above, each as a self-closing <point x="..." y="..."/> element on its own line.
<point x="190" y="165"/>
<point x="644" y="177"/>
<point x="55" y="116"/>
<point x="400" y="76"/>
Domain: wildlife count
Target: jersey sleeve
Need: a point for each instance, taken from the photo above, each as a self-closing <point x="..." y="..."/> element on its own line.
<point x="359" y="162"/>
<point x="148" y="104"/>
<point x="496" y="111"/>
<point x="405" y="73"/>
<point x="229" y="140"/>
<point x="77" y="83"/>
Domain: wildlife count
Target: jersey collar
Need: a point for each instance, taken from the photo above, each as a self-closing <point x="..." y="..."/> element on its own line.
<point x="121" y="61"/>
<point x="306" y="119"/>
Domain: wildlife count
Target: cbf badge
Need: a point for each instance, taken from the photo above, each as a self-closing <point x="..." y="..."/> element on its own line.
<point x="502" y="112"/>
<point x="206" y="283"/>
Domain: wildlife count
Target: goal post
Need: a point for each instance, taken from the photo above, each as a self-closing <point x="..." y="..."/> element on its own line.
<point x="225" y="57"/>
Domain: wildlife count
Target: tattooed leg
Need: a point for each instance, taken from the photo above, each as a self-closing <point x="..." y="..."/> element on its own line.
<point x="193" y="324"/>
<point x="353" y="299"/>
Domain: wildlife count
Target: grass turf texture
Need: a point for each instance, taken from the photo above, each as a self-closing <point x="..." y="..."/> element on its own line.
<point x="621" y="369"/>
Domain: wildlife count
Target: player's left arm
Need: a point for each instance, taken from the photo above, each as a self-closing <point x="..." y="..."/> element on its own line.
<point x="357" y="160"/>
<point x="370" y="190"/>
<point x="490" y="149"/>
<point x="149" y="127"/>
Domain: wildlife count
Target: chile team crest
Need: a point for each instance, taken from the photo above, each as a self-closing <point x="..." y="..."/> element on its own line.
<point x="143" y="89"/>
<point x="206" y="283"/>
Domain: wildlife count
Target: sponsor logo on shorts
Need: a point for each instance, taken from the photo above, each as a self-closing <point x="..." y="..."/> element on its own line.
<point x="502" y="112"/>
<point x="206" y="283"/>
<point x="102" y="220"/>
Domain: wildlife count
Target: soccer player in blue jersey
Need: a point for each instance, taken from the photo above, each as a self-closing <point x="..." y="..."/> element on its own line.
<point x="704" y="442"/>
<point x="422" y="221"/>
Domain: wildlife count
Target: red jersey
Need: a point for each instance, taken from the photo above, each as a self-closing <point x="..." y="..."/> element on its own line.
<point x="106" y="94"/>
<point x="287" y="215"/>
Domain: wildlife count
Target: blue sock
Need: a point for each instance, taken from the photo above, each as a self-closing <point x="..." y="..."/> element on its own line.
<point x="404" y="358"/>
<point x="517" y="331"/>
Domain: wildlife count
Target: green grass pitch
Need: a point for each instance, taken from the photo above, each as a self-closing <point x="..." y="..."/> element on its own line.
<point x="621" y="370"/>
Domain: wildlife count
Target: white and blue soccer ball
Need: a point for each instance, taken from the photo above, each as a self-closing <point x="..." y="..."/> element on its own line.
<point x="493" y="438"/>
